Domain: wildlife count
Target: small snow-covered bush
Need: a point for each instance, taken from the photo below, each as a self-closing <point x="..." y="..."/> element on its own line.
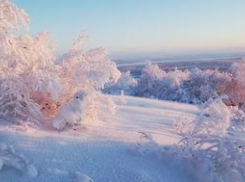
<point x="213" y="146"/>
<point x="36" y="86"/>
<point x="148" y="81"/>
<point x="203" y="85"/>
<point x="83" y="75"/>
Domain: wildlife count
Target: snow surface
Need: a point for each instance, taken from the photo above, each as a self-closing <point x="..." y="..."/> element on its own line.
<point x="103" y="151"/>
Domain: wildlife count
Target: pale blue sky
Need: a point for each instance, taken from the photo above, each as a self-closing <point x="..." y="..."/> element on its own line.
<point x="142" y="26"/>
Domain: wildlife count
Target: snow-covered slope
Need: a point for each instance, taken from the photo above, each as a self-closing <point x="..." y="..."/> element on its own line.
<point x="104" y="150"/>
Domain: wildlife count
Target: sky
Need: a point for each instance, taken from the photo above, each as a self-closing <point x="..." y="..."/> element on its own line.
<point x="142" y="26"/>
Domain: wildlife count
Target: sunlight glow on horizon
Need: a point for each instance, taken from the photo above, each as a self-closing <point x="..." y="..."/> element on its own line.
<point x="141" y="25"/>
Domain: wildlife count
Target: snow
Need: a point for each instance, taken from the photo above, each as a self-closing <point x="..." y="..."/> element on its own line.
<point x="39" y="90"/>
<point x="102" y="153"/>
<point x="10" y="158"/>
<point x="70" y="113"/>
<point x="79" y="177"/>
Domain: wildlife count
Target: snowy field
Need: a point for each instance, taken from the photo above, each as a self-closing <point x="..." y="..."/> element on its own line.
<point x="58" y="123"/>
<point x="105" y="151"/>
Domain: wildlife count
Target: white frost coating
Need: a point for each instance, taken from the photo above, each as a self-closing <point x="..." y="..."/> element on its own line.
<point x="11" y="17"/>
<point x="27" y="65"/>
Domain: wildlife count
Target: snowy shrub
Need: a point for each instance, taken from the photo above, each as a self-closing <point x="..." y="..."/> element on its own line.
<point x="35" y="86"/>
<point x="159" y="84"/>
<point x="83" y="75"/>
<point x="148" y="81"/>
<point x="203" y="85"/>
<point x="125" y="83"/>
<point x="170" y="86"/>
<point x="214" y="149"/>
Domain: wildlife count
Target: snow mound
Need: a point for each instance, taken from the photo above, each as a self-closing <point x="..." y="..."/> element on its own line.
<point x="71" y="113"/>
<point x="8" y="157"/>
<point x="80" y="177"/>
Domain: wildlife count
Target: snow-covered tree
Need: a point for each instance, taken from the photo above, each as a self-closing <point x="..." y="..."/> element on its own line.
<point x="35" y="85"/>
